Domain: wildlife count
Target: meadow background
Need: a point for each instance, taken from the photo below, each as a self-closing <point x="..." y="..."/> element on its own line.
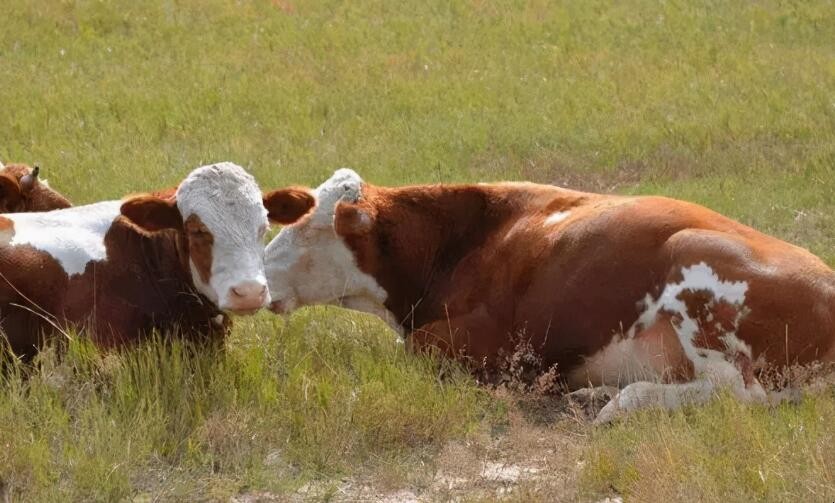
<point x="728" y="104"/>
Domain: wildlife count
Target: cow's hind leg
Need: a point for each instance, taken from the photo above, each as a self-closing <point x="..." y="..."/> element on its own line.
<point x="704" y="370"/>
<point x="704" y="310"/>
<point x="718" y="373"/>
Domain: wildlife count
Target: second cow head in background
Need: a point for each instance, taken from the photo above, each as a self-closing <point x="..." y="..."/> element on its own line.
<point x="22" y="190"/>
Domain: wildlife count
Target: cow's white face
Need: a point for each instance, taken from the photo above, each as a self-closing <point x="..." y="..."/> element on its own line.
<point x="308" y="263"/>
<point x="224" y="221"/>
<point x="220" y="212"/>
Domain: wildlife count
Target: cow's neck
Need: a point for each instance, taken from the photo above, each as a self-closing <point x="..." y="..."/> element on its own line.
<point x="151" y="273"/>
<point x="422" y="234"/>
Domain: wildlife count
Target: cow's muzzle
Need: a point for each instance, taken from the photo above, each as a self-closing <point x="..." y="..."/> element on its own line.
<point x="247" y="297"/>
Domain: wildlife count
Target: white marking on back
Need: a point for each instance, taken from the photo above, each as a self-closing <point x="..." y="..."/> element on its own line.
<point x="555" y="218"/>
<point x="72" y="236"/>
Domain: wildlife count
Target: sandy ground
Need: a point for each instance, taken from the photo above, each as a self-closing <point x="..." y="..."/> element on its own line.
<point x="536" y="455"/>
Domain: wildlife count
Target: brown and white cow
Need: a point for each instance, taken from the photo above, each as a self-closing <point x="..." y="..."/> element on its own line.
<point x="664" y="297"/>
<point x="22" y="191"/>
<point x="167" y="261"/>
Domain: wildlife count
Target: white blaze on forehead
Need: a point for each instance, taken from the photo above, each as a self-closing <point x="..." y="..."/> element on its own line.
<point x="72" y="236"/>
<point x="557" y="217"/>
<point x="229" y="203"/>
<point x="344" y="185"/>
<point x="225" y="197"/>
<point x="307" y="263"/>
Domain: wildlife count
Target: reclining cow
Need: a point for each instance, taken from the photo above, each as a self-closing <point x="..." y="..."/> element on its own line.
<point x="664" y="297"/>
<point x="22" y="191"/>
<point x="171" y="261"/>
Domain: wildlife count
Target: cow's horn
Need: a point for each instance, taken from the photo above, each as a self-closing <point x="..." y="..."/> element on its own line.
<point x="28" y="181"/>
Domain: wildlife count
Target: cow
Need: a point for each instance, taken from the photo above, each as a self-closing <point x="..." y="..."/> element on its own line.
<point x="173" y="262"/>
<point x="662" y="298"/>
<point x="22" y="191"/>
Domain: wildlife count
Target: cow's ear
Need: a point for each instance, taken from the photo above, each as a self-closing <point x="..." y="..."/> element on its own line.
<point x="285" y="206"/>
<point x="352" y="219"/>
<point x="152" y="213"/>
<point x="10" y="193"/>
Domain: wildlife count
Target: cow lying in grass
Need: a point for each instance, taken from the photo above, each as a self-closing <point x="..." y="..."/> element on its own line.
<point x="22" y="191"/>
<point x="663" y="298"/>
<point x="168" y="261"/>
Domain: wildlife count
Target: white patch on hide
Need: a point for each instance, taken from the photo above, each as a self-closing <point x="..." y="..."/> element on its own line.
<point x="622" y="361"/>
<point x="713" y="368"/>
<point x="699" y="277"/>
<point x="557" y="217"/>
<point x="72" y="236"/>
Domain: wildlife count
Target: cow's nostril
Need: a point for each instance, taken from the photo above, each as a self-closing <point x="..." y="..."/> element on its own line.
<point x="249" y="290"/>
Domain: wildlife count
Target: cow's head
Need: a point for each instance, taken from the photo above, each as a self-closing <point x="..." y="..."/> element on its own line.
<point x="222" y="218"/>
<point x="309" y="262"/>
<point x="21" y="190"/>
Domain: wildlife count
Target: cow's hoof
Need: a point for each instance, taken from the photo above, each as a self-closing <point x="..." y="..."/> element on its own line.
<point x="608" y="413"/>
<point x="589" y="401"/>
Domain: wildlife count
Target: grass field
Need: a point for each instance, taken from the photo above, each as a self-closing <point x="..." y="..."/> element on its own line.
<point x="729" y="104"/>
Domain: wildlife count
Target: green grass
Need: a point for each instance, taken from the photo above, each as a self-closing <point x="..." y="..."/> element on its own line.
<point x="284" y="403"/>
<point x="729" y="104"/>
<point x="725" y="452"/>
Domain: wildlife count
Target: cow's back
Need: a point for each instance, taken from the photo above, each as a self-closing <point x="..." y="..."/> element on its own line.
<point x="48" y="270"/>
<point x="575" y="283"/>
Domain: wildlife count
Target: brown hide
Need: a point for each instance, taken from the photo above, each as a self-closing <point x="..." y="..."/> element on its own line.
<point x="467" y="268"/>
<point x="143" y="285"/>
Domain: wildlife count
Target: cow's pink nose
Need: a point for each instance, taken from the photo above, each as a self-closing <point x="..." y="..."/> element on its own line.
<point x="247" y="297"/>
<point x="250" y="289"/>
